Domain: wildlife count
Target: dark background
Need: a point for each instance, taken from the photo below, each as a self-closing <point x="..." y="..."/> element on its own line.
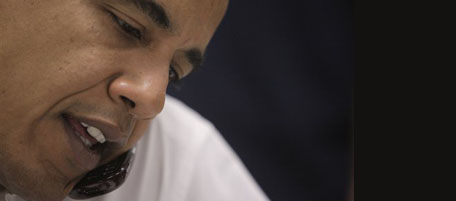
<point x="277" y="83"/>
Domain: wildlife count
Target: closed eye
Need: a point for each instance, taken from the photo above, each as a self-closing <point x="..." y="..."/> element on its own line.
<point x="126" y="27"/>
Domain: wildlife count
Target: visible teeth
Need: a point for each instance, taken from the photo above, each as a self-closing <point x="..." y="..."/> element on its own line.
<point x="85" y="141"/>
<point x="84" y="124"/>
<point x="96" y="133"/>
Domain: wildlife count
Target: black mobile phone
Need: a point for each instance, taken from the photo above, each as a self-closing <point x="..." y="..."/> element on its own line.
<point x="104" y="179"/>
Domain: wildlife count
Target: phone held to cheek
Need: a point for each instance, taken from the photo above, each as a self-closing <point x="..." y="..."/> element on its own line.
<point x="105" y="178"/>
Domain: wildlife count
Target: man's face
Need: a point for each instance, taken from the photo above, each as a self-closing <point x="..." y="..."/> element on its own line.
<point x="102" y="62"/>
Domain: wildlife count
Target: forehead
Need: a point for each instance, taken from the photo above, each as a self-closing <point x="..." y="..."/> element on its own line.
<point x="194" y="10"/>
<point x="197" y="18"/>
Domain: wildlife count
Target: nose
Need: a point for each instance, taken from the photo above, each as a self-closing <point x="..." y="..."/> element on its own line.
<point x="141" y="93"/>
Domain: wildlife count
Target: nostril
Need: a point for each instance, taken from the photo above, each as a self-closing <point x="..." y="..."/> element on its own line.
<point x="127" y="101"/>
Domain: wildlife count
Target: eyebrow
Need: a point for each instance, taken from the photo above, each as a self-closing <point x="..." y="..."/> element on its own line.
<point x="154" y="11"/>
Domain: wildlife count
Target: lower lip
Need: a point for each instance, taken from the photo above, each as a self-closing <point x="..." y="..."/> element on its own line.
<point x="83" y="157"/>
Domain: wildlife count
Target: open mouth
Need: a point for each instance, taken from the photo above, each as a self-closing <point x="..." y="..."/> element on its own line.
<point x="86" y="142"/>
<point x="90" y="136"/>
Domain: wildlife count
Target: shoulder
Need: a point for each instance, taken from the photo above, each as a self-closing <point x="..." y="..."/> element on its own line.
<point x="176" y="110"/>
<point x="204" y="167"/>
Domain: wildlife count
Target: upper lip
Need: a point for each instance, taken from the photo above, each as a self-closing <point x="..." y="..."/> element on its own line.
<point x="115" y="138"/>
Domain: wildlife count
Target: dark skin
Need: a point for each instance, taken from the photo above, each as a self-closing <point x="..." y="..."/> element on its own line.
<point x="101" y="59"/>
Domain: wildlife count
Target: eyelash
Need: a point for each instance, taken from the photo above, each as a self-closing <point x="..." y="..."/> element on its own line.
<point x="173" y="76"/>
<point x="127" y="28"/>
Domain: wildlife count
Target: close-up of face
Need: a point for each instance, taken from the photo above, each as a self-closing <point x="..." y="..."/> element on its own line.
<point x="82" y="79"/>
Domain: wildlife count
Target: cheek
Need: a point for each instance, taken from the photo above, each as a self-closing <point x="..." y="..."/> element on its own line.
<point x="139" y="131"/>
<point x="35" y="85"/>
<point x="63" y="52"/>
